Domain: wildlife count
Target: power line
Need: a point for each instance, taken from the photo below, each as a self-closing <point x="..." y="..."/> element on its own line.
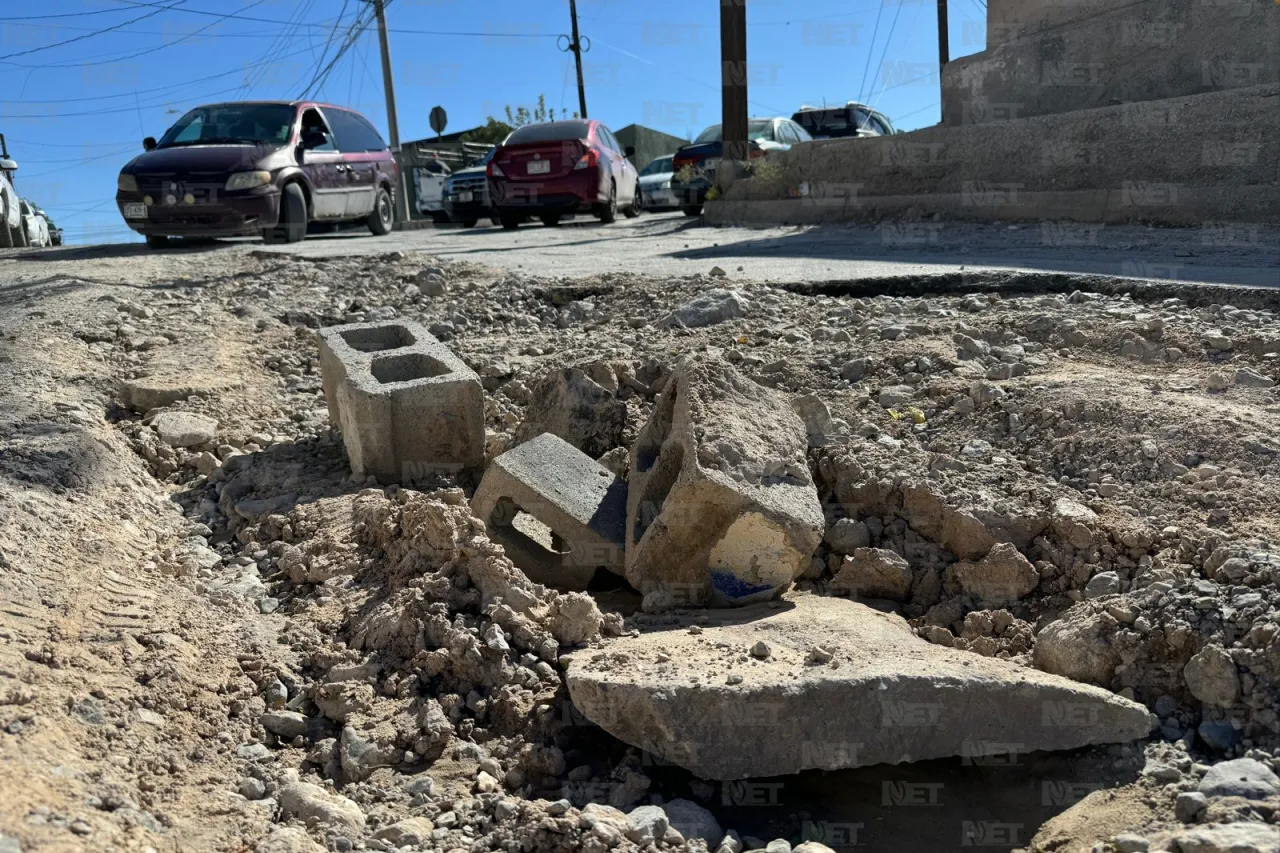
<point x="102" y="31"/>
<point x="254" y="78"/>
<point x="871" y="50"/>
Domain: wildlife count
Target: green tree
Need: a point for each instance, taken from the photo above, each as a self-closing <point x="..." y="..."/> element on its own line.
<point x="495" y="130"/>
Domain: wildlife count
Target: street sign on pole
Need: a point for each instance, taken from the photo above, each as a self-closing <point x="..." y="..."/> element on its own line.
<point x="439" y="120"/>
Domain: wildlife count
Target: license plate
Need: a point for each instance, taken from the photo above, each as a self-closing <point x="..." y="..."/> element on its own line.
<point x="135" y="211"/>
<point x="464" y="196"/>
<point x="539" y="167"/>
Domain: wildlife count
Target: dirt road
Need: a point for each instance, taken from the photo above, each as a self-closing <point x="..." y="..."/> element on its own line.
<point x="219" y="639"/>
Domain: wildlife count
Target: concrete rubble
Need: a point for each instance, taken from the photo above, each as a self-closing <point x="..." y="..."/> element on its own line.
<point x="883" y="697"/>
<point x="407" y="406"/>
<point x="721" y="508"/>
<point x="581" y="505"/>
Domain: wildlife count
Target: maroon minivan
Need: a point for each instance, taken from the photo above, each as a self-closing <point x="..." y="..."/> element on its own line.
<point x="259" y="167"/>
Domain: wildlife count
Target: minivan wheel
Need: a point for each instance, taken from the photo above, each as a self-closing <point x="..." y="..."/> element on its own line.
<point x="292" y="225"/>
<point x="383" y="217"/>
<point x="469" y="223"/>
<point x="692" y="210"/>
<point x="509" y="222"/>
<point x="157" y="241"/>
<point x="609" y="212"/>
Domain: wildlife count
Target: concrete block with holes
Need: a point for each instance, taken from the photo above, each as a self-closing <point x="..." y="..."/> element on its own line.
<point x="557" y="512"/>
<point x="722" y="509"/>
<point x="406" y="405"/>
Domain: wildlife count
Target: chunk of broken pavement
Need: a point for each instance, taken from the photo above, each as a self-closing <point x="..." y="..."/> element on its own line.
<point x="873" y="573"/>
<point x="708" y="308"/>
<point x="570" y="404"/>
<point x="1001" y="578"/>
<point x="1243" y="777"/>
<point x="893" y="698"/>
<point x="1212" y="678"/>
<point x="314" y="806"/>
<point x="184" y="429"/>
<point x="721" y="507"/>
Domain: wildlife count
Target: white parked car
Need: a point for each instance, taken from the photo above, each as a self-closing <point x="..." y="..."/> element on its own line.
<point x="428" y="184"/>
<point x="655" y="184"/>
<point x="12" y="228"/>
<point x="34" y="224"/>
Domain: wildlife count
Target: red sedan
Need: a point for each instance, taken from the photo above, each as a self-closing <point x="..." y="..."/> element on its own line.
<point x="557" y="168"/>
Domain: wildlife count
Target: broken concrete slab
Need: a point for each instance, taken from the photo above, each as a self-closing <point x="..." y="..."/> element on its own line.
<point x="885" y="696"/>
<point x="707" y="309"/>
<point x="576" y="407"/>
<point x="580" y="502"/>
<point x="154" y="392"/>
<point x="721" y="507"/>
<point x="406" y="405"/>
<point x="184" y="429"/>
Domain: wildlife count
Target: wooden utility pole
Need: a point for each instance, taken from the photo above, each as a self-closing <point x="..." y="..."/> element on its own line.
<point x="576" y="47"/>
<point x="944" y="48"/>
<point x="393" y="124"/>
<point x="733" y="95"/>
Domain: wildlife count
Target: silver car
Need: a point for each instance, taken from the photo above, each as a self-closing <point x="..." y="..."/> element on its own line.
<point x="655" y="184"/>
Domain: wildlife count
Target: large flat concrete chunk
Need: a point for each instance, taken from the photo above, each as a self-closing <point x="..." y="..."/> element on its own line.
<point x="406" y="405"/>
<point x="721" y="508"/>
<point x="835" y="685"/>
<point x="578" y="508"/>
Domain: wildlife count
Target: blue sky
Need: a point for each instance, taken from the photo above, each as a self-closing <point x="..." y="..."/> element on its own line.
<point x="74" y="113"/>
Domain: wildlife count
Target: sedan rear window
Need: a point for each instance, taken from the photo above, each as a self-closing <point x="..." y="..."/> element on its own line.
<point x="761" y="129"/>
<point x="552" y="131"/>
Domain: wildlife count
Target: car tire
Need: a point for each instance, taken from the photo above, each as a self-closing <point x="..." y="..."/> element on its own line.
<point x="292" y="226"/>
<point x="637" y="205"/>
<point x="691" y="210"/>
<point x="609" y="212"/>
<point x="495" y="221"/>
<point x="383" y="216"/>
<point x="157" y="241"/>
<point x="551" y="220"/>
<point x="21" y="240"/>
<point x="509" y="222"/>
<point x="469" y="223"/>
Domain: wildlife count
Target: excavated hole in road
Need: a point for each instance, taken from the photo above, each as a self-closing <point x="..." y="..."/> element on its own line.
<point x="997" y="802"/>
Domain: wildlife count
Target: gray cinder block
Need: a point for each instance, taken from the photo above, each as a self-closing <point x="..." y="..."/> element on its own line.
<point x="581" y="502"/>
<point x="406" y="405"/>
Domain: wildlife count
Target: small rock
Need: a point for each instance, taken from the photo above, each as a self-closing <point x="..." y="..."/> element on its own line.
<point x="895" y="396"/>
<point x="1250" y="378"/>
<point x="778" y="845"/>
<point x="1103" y="583"/>
<point x="693" y="821"/>
<point x="1218" y="381"/>
<point x="717" y="272"/>
<point x="413" y="831"/>
<point x="733" y="678"/>
<point x="761" y="650"/>
<point x="1247" y="837"/>
<point x="1218" y="735"/>
<point x="1212" y="677"/>
<point x="708" y="309"/>
<point x="1217" y="341"/>
<point x="1190" y="805"/>
<point x="184" y="429"/>
<point x="1243" y="777"/>
<point x="853" y="371"/>
<point x="873" y="573"/>
<point x="818" y="654"/>
<point x="1130" y="843"/>
<point x="846" y="536"/>
<point x="252" y="789"/>
<point x="647" y="824"/>
<point x="285" y="724"/>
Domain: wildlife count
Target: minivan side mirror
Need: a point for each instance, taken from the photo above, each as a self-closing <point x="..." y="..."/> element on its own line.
<point x="8" y="165"/>
<point x="630" y="151"/>
<point x="149" y="144"/>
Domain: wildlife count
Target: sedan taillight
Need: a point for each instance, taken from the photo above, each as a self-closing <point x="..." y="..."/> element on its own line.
<point x="591" y="158"/>
<point x="494" y="171"/>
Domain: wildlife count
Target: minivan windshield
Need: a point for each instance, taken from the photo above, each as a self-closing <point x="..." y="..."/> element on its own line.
<point x="552" y="131"/>
<point x="756" y="129"/>
<point x="232" y="124"/>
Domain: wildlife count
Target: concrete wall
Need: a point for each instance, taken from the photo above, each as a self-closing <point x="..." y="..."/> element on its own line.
<point x="649" y="144"/>
<point x="1181" y="161"/>
<point x="1055" y="56"/>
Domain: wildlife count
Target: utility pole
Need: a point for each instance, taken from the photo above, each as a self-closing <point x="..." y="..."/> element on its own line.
<point x="576" y="47"/>
<point x="733" y="94"/>
<point x="944" y="49"/>
<point x="393" y="125"/>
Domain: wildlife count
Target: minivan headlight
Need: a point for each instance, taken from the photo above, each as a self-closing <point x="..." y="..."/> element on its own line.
<point x="248" y="180"/>
<point x="127" y="183"/>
